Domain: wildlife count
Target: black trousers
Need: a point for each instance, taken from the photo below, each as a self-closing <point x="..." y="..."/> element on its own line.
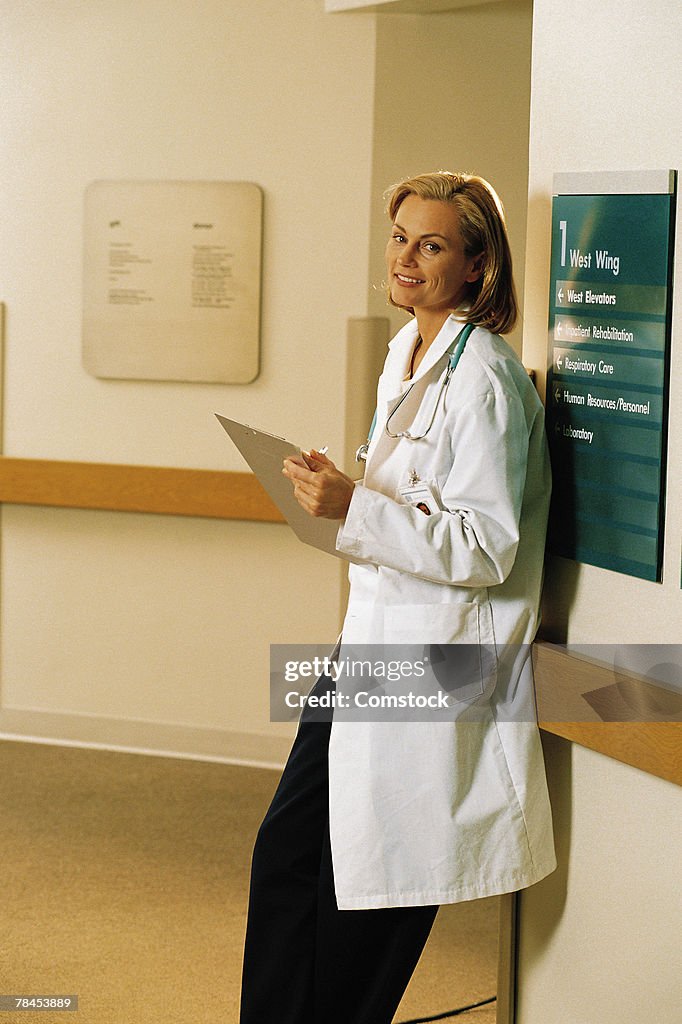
<point x="305" y="961"/>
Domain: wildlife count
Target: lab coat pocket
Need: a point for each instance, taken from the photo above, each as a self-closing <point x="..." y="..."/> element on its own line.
<point x="457" y="640"/>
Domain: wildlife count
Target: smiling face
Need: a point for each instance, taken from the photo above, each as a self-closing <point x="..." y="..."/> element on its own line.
<point x="427" y="268"/>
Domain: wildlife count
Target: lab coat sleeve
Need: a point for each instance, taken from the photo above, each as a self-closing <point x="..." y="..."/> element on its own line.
<point x="472" y="540"/>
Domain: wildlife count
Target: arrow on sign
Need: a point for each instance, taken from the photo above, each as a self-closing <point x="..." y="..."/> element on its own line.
<point x="559" y="328"/>
<point x="559" y="362"/>
<point x="560" y="295"/>
<point x="557" y="395"/>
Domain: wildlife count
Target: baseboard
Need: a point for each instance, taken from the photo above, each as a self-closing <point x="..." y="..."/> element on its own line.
<point x="133" y="736"/>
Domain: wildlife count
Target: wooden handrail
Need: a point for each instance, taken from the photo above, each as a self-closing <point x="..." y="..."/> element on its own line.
<point x="562" y="679"/>
<point x="156" y="489"/>
<point x="569" y="688"/>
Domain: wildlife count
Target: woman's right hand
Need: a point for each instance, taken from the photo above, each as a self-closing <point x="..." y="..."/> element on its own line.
<point x="319" y="487"/>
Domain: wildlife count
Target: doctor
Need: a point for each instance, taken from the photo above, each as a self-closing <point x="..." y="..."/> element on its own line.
<point x="376" y="823"/>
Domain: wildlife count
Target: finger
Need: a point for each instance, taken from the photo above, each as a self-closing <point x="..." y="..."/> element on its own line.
<point x="309" y="496"/>
<point x="320" y="459"/>
<point x="306" y="502"/>
<point x="295" y="460"/>
<point x="297" y="471"/>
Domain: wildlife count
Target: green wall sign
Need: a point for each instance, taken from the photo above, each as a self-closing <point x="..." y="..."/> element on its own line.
<point x="607" y="397"/>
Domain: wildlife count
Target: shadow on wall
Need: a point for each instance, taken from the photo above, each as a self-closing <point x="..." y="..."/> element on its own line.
<point x="558" y="596"/>
<point x="551" y="891"/>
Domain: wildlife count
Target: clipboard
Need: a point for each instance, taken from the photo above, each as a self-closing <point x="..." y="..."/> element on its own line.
<point x="264" y="453"/>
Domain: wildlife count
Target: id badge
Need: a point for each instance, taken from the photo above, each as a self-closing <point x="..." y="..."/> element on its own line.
<point x="421" y="496"/>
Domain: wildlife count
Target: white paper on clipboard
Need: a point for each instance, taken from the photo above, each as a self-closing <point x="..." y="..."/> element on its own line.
<point x="265" y="453"/>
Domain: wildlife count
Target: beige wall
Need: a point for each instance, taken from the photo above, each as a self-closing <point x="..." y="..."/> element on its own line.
<point x="220" y="89"/>
<point x="111" y="620"/>
<point x="453" y="92"/>
<point x="154" y="632"/>
<point x="598" y="939"/>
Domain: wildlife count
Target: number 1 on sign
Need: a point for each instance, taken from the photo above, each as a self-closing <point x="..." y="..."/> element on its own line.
<point x="562" y="229"/>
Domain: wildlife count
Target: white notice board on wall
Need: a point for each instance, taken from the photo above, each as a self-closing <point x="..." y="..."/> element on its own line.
<point x="172" y="280"/>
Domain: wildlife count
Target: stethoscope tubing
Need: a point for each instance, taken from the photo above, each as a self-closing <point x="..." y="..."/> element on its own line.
<point x="455" y="354"/>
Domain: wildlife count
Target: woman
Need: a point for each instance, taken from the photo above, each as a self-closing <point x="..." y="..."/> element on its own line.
<point x="375" y="824"/>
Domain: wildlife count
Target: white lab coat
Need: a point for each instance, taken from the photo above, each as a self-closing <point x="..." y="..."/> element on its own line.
<point x="433" y="812"/>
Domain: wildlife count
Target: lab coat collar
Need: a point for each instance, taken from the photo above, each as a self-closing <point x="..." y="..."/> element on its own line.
<point x="402" y="345"/>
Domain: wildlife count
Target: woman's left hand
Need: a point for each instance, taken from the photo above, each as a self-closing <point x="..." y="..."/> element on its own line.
<point x="319" y="487"/>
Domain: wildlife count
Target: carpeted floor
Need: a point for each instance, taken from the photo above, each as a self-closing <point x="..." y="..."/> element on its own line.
<point x="124" y="882"/>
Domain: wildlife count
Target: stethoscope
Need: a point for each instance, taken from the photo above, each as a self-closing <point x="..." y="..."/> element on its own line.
<point x="454" y="354"/>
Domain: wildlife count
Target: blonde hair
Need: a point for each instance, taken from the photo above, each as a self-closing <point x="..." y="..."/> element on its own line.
<point x="483" y="231"/>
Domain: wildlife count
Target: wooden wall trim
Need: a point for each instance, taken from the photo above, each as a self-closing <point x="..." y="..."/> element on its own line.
<point x="567" y="695"/>
<point x="562" y="679"/>
<point x="156" y="489"/>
